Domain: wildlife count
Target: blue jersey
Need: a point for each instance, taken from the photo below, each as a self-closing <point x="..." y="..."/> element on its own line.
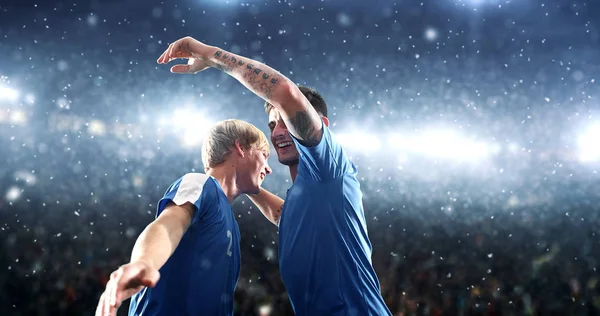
<point x="324" y="249"/>
<point x="201" y="275"/>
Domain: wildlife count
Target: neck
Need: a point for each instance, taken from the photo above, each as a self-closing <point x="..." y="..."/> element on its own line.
<point x="226" y="176"/>
<point x="294" y="172"/>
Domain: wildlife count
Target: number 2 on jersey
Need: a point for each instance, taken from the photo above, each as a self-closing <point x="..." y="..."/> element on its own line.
<point x="230" y="236"/>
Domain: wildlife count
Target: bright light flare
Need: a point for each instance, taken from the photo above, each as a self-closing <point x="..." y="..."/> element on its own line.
<point x="359" y="141"/>
<point x="474" y="2"/>
<point x="28" y="177"/>
<point x="589" y="144"/>
<point x="30" y="98"/>
<point x="18" y="117"/>
<point x="96" y="128"/>
<point x="431" y="34"/>
<point x="442" y="144"/>
<point x="13" y="194"/>
<point x="9" y="94"/>
<point x="265" y="310"/>
<point x="191" y="125"/>
<point x="448" y="145"/>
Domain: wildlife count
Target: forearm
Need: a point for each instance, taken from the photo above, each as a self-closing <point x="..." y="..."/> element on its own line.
<point x="259" y="78"/>
<point x="156" y="244"/>
<point x="301" y="118"/>
<point x="269" y="204"/>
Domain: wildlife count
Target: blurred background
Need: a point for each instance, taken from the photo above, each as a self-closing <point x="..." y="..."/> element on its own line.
<point x="475" y="126"/>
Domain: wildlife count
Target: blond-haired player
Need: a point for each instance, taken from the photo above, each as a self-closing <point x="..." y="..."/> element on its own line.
<point x="193" y="244"/>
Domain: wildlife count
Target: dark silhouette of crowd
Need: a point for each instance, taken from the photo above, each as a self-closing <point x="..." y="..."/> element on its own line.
<point x="516" y="262"/>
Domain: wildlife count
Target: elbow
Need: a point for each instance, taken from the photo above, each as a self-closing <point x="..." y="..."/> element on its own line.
<point x="287" y="96"/>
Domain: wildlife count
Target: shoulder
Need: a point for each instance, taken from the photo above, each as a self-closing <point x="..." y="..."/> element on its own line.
<point x="191" y="185"/>
<point x="196" y="177"/>
<point x="194" y="180"/>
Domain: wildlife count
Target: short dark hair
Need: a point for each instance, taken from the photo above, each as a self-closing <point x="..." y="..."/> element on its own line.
<point x="314" y="97"/>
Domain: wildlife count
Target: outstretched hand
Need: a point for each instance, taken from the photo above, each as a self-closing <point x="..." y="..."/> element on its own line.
<point x="124" y="283"/>
<point x="196" y="53"/>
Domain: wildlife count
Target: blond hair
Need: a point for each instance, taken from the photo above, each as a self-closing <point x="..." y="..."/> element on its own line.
<point x="220" y="141"/>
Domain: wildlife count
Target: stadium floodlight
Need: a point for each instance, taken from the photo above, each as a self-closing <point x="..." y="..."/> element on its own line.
<point x="359" y="141"/>
<point x="589" y="144"/>
<point x="9" y="94"/>
<point x="191" y="125"/>
<point x="441" y="144"/>
<point x="449" y="145"/>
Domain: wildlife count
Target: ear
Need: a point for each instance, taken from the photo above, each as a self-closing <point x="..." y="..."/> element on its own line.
<point x="238" y="148"/>
<point x="325" y="121"/>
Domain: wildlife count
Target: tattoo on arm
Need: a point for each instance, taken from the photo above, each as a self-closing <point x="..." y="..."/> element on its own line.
<point x="258" y="80"/>
<point x="253" y="76"/>
<point x="302" y="126"/>
<point x="224" y="68"/>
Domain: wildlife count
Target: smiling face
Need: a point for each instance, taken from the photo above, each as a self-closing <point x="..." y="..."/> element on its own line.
<point x="243" y="145"/>
<point x="252" y="169"/>
<point x="287" y="153"/>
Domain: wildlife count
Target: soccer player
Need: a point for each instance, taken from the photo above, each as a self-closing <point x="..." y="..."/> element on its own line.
<point x="193" y="244"/>
<point x="324" y="249"/>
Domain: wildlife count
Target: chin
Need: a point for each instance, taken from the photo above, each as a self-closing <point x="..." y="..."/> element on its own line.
<point x="256" y="190"/>
<point x="288" y="161"/>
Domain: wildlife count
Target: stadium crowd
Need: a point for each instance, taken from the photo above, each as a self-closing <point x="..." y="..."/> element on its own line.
<point x="515" y="263"/>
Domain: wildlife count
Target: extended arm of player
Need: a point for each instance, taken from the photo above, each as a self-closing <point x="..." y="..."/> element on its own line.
<point x="269" y="204"/>
<point x="298" y="114"/>
<point x="300" y="117"/>
<point x="160" y="238"/>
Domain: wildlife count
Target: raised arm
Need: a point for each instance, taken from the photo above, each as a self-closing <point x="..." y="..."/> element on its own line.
<point x="269" y="204"/>
<point x="300" y="117"/>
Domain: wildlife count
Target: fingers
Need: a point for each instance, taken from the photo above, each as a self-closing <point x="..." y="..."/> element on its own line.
<point x="170" y="51"/>
<point x="113" y="287"/>
<point x="177" y="49"/>
<point x="161" y="59"/>
<point x="180" y="69"/>
<point x="123" y="283"/>
<point x="164" y="57"/>
<point x="128" y="280"/>
<point x="112" y="292"/>
<point x="104" y="307"/>
<point x="100" y="307"/>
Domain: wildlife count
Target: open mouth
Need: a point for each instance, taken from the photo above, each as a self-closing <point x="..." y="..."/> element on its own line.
<point x="262" y="176"/>
<point x="284" y="144"/>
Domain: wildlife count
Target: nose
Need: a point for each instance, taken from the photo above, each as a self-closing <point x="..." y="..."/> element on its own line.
<point x="268" y="169"/>
<point x="280" y="129"/>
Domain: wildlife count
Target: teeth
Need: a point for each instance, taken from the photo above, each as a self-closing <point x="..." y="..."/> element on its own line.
<point x="262" y="176"/>
<point x="285" y="144"/>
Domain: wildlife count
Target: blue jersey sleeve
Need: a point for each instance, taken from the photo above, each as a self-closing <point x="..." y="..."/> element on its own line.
<point x="192" y="188"/>
<point x="325" y="161"/>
